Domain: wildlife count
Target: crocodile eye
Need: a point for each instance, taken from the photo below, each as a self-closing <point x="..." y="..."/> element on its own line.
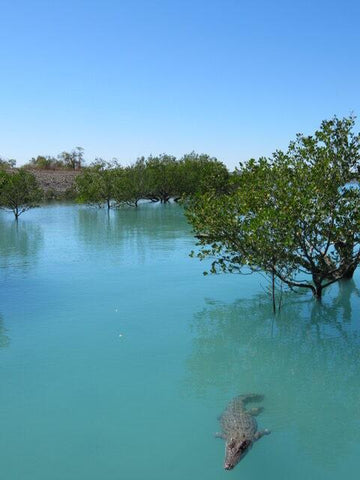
<point x="232" y="444"/>
<point x="244" y="445"/>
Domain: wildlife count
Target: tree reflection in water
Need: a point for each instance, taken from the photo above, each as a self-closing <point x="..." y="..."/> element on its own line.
<point x="132" y="229"/>
<point x="4" y="339"/>
<point x="20" y="243"/>
<point x="305" y="360"/>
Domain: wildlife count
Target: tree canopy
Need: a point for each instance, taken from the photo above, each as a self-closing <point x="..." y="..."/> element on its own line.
<point x="19" y="191"/>
<point x="72" y="160"/>
<point x="201" y="173"/>
<point x="97" y="183"/>
<point x="294" y="216"/>
<point x="157" y="179"/>
<point x="6" y="164"/>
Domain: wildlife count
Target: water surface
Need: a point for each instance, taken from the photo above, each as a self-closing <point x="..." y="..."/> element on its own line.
<point x="117" y="356"/>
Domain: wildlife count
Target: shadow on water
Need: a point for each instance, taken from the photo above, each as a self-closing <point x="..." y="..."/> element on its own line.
<point x="305" y="360"/>
<point x="4" y="339"/>
<point x="20" y="243"/>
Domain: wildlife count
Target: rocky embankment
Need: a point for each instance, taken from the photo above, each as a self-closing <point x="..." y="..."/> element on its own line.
<point x="56" y="183"/>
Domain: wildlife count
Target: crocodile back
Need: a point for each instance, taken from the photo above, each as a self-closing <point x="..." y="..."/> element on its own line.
<point x="236" y="422"/>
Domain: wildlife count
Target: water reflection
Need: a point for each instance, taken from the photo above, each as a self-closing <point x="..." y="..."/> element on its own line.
<point x="20" y="243"/>
<point x="306" y="361"/>
<point x="130" y="228"/>
<point x="4" y="339"/>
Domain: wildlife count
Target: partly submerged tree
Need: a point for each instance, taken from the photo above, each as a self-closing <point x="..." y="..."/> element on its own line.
<point x="19" y="191"/>
<point x="333" y="153"/>
<point x="158" y="179"/>
<point x="96" y="184"/>
<point x="132" y="185"/>
<point x="162" y="178"/>
<point x="200" y="173"/>
<point x="295" y="216"/>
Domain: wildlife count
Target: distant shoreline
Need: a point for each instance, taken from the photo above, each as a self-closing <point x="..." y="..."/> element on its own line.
<point x="57" y="184"/>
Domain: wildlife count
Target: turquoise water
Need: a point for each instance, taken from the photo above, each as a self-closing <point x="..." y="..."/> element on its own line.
<point x="117" y="356"/>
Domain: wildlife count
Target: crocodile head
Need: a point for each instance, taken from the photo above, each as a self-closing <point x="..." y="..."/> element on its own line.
<point x="235" y="450"/>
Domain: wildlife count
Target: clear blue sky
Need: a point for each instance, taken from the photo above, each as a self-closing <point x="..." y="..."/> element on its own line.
<point x="235" y="79"/>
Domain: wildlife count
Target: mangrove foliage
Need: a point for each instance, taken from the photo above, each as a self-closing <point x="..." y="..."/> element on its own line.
<point x="294" y="216"/>
<point x="19" y="191"/>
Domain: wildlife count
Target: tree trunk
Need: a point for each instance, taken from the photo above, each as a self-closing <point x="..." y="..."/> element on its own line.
<point x="273" y="291"/>
<point x="318" y="292"/>
<point x="318" y="288"/>
<point x="349" y="272"/>
<point x="346" y="251"/>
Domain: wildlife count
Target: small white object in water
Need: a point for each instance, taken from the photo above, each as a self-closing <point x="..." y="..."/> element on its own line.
<point x="116" y="309"/>
<point x="120" y="335"/>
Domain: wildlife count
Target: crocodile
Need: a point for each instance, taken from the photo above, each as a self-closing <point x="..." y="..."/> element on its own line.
<point x="239" y="428"/>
